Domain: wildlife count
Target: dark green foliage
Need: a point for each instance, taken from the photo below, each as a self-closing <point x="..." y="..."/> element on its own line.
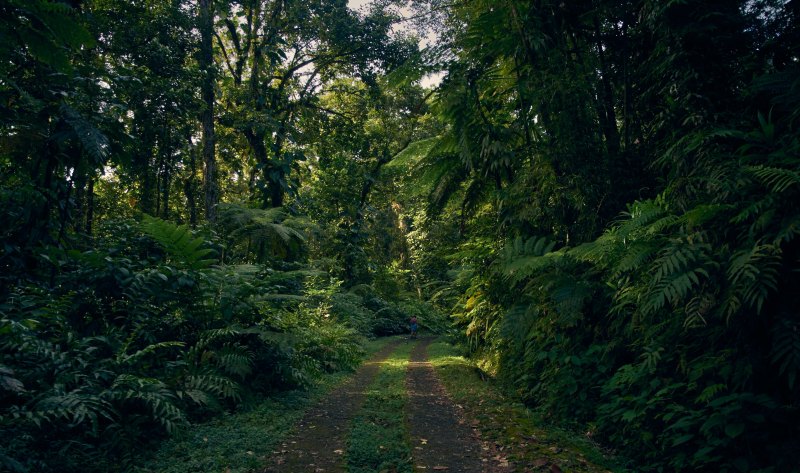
<point x="638" y="171"/>
<point x="602" y="192"/>
<point x="134" y="339"/>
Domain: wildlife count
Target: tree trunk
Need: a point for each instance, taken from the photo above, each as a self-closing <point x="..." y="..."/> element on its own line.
<point x="89" y="206"/>
<point x="166" y="182"/>
<point x="269" y="196"/>
<point x="606" y="96"/>
<point x="189" y="188"/>
<point x="206" y="61"/>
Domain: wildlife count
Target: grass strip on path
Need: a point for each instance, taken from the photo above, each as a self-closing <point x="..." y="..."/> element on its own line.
<point x="378" y="440"/>
<point x="513" y="435"/>
<point x="242" y="442"/>
<point x="320" y="438"/>
<point x="441" y="438"/>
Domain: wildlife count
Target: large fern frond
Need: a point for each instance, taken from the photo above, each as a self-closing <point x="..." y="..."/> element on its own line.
<point x="178" y="241"/>
<point x="679" y="269"/>
<point x="777" y="180"/>
<point x="753" y="274"/>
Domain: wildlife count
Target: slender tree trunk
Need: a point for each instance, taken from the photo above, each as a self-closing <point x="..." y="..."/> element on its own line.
<point x="165" y="183"/>
<point x="189" y="187"/>
<point x="157" y="210"/>
<point x="276" y="189"/>
<point x="206" y="60"/>
<point x="89" y="206"/>
<point x="79" y="215"/>
<point x="606" y="96"/>
<point x="146" y="191"/>
<point x="262" y="159"/>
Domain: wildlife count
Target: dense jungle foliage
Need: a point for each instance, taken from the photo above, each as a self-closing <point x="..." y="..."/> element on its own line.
<point x="204" y="202"/>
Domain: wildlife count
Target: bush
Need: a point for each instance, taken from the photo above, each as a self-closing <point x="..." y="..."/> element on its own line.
<point x="105" y="348"/>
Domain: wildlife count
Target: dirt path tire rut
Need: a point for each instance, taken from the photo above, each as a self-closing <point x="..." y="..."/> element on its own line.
<point x="441" y="440"/>
<point x="319" y="442"/>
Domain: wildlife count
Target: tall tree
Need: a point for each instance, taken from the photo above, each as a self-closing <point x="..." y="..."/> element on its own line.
<point x="208" y="71"/>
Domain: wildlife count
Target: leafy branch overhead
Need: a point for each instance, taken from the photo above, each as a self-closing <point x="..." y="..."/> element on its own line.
<point x="207" y="204"/>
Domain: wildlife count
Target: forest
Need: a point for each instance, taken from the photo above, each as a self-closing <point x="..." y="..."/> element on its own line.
<point x="207" y="203"/>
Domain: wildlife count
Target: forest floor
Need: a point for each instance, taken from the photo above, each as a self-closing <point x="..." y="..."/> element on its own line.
<point x="414" y="406"/>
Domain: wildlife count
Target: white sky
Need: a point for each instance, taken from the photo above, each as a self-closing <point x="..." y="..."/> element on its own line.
<point x="356" y="4"/>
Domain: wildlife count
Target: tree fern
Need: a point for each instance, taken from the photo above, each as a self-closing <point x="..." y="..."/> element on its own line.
<point x="272" y="229"/>
<point x="92" y="141"/>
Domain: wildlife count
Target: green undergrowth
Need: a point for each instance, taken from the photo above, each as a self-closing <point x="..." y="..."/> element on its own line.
<point x="378" y="439"/>
<point x="520" y="435"/>
<point x="242" y="441"/>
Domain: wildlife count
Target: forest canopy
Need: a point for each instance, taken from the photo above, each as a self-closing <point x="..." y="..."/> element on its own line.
<point x="206" y="202"/>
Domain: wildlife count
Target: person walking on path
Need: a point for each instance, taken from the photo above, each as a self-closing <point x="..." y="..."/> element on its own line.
<point x="412" y="324"/>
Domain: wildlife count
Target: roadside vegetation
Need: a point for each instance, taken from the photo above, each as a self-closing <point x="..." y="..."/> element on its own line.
<point x="207" y="205"/>
<point x="513" y="433"/>
<point x="243" y="440"/>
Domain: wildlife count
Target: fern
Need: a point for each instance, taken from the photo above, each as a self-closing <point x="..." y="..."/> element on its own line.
<point x="78" y="407"/>
<point x="679" y="268"/>
<point x="272" y="229"/>
<point x="148" y="350"/>
<point x="697" y="309"/>
<point x="218" y="385"/>
<point x="179" y="243"/>
<point x="93" y="142"/>
<point x="525" y="258"/>
<point x="412" y="154"/>
<point x="753" y="273"/>
<point x="777" y="180"/>
<point x="234" y="359"/>
<point x="635" y="256"/>
<point x="569" y="296"/>
<point x="786" y="349"/>
<point x="702" y="214"/>
<point x="639" y="216"/>
<point x="710" y="392"/>
<point x="152" y="394"/>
